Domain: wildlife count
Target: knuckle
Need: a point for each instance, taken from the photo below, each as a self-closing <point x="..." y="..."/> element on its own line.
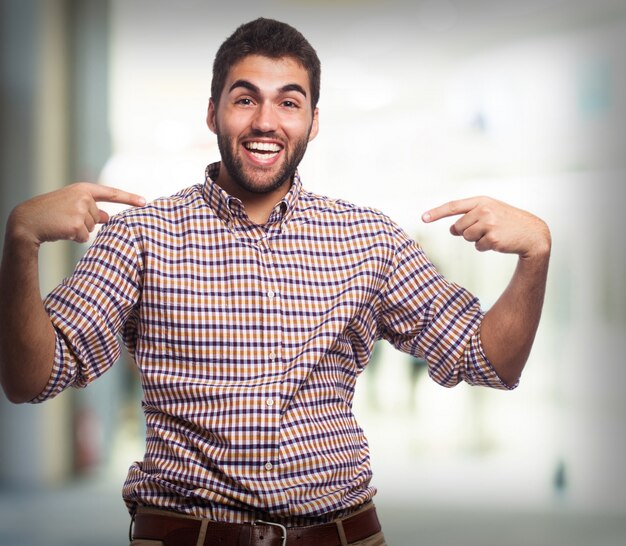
<point x="80" y="187"/>
<point x="76" y="226"/>
<point x="82" y="206"/>
<point x="491" y="223"/>
<point x="481" y="247"/>
<point x="489" y="237"/>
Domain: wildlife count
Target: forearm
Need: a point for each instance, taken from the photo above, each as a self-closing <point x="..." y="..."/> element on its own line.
<point x="509" y="327"/>
<point x="27" y="339"/>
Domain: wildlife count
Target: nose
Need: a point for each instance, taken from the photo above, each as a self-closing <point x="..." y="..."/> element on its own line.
<point x="265" y="119"/>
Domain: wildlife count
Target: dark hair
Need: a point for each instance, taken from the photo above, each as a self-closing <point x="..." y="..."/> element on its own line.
<point x="268" y="38"/>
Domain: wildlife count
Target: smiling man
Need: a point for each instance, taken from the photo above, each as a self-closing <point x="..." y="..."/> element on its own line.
<point x="251" y="306"/>
<point x="263" y="124"/>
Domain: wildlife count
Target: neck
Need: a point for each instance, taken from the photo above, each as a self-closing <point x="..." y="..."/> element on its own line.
<point x="258" y="206"/>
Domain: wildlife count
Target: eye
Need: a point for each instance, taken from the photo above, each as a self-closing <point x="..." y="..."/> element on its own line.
<point x="290" y="104"/>
<point x="244" y="101"/>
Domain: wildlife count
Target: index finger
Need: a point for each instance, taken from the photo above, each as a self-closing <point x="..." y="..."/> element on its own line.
<point x="452" y="208"/>
<point x="109" y="194"/>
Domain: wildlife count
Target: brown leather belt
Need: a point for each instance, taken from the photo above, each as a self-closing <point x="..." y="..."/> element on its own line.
<point x="182" y="531"/>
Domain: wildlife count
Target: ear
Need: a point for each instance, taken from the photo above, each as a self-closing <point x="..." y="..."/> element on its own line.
<point x="210" y="116"/>
<point x="315" y="125"/>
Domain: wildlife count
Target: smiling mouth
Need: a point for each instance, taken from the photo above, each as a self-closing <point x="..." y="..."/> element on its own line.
<point x="263" y="150"/>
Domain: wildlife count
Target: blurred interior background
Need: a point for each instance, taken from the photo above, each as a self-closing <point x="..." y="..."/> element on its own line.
<point x="422" y="102"/>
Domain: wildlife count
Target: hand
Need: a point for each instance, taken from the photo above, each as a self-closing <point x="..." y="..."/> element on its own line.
<point x="494" y="225"/>
<point x="70" y="213"/>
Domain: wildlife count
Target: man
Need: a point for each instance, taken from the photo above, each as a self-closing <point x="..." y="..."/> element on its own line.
<point x="251" y="306"/>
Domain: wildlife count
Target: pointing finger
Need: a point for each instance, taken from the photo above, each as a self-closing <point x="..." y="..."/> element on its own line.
<point x="114" y="195"/>
<point x="452" y="208"/>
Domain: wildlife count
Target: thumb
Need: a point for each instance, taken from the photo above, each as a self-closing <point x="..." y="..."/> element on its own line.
<point x="104" y="217"/>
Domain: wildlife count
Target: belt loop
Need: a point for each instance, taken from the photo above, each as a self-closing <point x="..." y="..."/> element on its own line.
<point x="130" y="528"/>
<point x="341" y="532"/>
<point x="245" y="536"/>
<point x="204" y="524"/>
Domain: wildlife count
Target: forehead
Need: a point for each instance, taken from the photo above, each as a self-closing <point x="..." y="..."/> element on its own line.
<point x="268" y="73"/>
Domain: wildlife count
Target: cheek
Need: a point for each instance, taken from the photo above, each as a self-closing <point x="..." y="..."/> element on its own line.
<point x="230" y="123"/>
<point x="297" y="129"/>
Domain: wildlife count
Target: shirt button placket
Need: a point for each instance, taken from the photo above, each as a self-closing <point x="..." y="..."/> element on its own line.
<point x="272" y="296"/>
<point x="271" y="400"/>
<point x="272" y="410"/>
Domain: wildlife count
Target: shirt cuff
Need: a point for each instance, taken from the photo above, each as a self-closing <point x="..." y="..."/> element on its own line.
<point x="58" y="376"/>
<point x="480" y="370"/>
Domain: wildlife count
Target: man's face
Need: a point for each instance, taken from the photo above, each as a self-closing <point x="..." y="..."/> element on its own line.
<point x="263" y="122"/>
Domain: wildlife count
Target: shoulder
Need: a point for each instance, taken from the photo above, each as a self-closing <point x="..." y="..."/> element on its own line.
<point x="187" y="199"/>
<point x="320" y="208"/>
<point x="312" y="204"/>
<point x="164" y="212"/>
<point x="161" y="217"/>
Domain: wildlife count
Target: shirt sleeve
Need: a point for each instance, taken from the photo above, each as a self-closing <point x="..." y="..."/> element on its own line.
<point x="429" y="317"/>
<point x="89" y="309"/>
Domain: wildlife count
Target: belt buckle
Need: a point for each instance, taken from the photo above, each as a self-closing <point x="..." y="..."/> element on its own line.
<point x="282" y="528"/>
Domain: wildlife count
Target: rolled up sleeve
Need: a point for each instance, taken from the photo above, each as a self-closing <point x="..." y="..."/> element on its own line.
<point x="89" y="309"/>
<point x="431" y="318"/>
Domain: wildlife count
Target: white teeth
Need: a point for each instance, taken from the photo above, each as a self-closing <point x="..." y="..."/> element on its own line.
<point x="262" y="146"/>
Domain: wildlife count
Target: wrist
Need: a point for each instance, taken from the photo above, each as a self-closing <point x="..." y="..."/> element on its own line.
<point x="18" y="233"/>
<point x="541" y="247"/>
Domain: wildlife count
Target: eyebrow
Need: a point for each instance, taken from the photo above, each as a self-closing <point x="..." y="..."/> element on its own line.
<point x="254" y="89"/>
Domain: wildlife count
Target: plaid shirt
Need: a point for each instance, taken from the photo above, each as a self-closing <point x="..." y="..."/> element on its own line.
<point x="249" y="340"/>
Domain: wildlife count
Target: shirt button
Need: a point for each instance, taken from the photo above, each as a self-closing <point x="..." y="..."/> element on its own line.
<point x="269" y="466"/>
<point x="270" y="402"/>
<point x="272" y="356"/>
<point x="270" y="294"/>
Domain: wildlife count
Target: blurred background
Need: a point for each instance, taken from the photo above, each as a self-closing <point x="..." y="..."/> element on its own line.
<point x="422" y="102"/>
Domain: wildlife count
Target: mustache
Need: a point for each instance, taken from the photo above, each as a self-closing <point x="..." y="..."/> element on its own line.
<point x="261" y="134"/>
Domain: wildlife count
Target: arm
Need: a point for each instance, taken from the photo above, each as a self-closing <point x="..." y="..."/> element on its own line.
<point x="27" y="338"/>
<point x="508" y="329"/>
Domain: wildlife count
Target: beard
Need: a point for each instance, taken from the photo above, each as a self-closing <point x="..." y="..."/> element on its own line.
<point x="259" y="181"/>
